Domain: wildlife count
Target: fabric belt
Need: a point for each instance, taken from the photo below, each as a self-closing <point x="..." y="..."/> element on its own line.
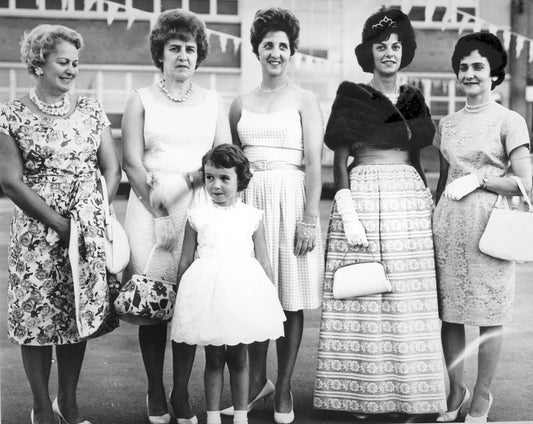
<point x="265" y="165"/>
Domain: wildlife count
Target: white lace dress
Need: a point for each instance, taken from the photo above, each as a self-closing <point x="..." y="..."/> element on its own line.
<point x="225" y="297"/>
<point x="474" y="288"/>
<point x="175" y="141"/>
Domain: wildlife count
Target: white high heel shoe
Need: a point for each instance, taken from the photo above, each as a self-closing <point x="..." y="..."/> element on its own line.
<point x="450" y="416"/>
<point x="284" y="417"/>
<point x="157" y="419"/>
<point x="263" y="395"/>
<point x="62" y="420"/>
<point x="482" y="418"/>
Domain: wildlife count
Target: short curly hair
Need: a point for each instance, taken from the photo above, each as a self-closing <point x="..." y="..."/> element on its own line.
<point x="378" y="28"/>
<point x="37" y="44"/>
<point x="274" y="19"/>
<point x="489" y="46"/>
<point x="230" y="156"/>
<point x="178" y="24"/>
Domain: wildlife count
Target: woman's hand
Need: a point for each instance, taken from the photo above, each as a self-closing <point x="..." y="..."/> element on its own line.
<point x="166" y="191"/>
<point x="305" y="238"/>
<point x="462" y="186"/>
<point x="61" y="230"/>
<point x="165" y="233"/>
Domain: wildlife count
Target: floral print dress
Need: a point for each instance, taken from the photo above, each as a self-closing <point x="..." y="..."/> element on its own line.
<point x="60" y="164"/>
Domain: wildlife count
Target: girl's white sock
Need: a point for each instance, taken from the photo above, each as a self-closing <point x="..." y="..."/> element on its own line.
<point x="213" y="417"/>
<point x="240" y="417"/>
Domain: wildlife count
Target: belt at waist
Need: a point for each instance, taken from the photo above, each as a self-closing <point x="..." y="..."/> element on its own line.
<point x="265" y="165"/>
<point x="381" y="157"/>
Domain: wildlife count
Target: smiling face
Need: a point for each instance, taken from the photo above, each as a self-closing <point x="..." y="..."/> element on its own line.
<point x="221" y="184"/>
<point x="274" y="53"/>
<point x="387" y="56"/>
<point x="474" y="77"/>
<point x="60" y="69"/>
<point x="179" y="59"/>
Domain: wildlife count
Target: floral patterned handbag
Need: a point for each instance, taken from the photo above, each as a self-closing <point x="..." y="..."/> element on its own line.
<point x="144" y="300"/>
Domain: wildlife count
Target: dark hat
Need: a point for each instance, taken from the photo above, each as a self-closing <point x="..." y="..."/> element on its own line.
<point x="377" y="27"/>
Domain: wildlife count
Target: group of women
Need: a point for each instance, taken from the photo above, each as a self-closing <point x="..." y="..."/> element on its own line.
<point x="377" y="354"/>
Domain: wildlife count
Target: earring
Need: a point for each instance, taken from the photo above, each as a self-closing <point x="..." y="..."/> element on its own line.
<point x="494" y="79"/>
<point x="39" y="71"/>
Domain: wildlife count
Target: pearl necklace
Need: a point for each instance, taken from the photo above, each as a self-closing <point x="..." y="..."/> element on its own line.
<point x="59" y="108"/>
<point x="265" y="90"/>
<point x="161" y="85"/>
<point x="478" y="108"/>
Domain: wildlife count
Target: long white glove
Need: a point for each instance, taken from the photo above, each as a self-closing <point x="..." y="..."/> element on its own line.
<point x="165" y="233"/>
<point x="462" y="186"/>
<point x="165" y="191"/>
<point x="353" y="229"/>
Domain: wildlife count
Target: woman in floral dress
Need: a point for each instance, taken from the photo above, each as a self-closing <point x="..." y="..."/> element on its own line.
<point x="52" y="144"/>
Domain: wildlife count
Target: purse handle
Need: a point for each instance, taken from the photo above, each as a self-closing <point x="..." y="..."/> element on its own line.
<point x="145" y="271"/>
<point x="523" y="191"/>
<point x="357" y="261"/>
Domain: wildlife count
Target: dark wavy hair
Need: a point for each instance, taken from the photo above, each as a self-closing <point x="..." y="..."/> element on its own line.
<point x="489" y="46"/>
<point x="274" y="19"/>
<point x="230" y="156"/>
<point x="177" y="24"/>
<point x="37" y="44"/>
<point x="378" y="28"/>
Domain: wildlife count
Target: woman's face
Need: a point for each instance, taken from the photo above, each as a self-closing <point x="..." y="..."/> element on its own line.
<point x="474" y="75"/>
<point x="274" y="53"/>
<point x="60" y="69"/>
<point x="387" y="56"/>
<point x="179" y="59"/>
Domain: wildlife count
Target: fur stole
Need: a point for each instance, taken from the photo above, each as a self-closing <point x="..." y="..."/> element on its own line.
<point x="360" y="113"/>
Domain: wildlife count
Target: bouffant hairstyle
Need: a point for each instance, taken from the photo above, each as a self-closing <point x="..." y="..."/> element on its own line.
<point x="378" y="28"/>
<point x="489" y="46"/>
<point x="37" y="44"/>
<point x="177" y="24"/>
<point x="274" y="19"/>
<point x="230" y="156"/>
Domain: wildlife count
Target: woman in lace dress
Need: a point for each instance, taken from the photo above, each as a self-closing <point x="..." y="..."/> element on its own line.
<point x="279" y="127"/>
<point x="52" y="144"/>
<point x="381" y="353"/>
<point x="167" y="128"/>
<point x="481" y="146"/>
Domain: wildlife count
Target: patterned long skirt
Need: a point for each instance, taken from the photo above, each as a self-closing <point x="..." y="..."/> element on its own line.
<point x="382" y="353"/>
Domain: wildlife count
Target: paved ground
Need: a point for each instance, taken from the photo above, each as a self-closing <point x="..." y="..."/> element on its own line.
<point x="112" y="386"/>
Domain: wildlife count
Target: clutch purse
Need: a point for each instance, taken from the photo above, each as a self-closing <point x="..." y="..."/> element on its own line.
<point x="509" y="232"/>
<point x="362" y="278"/>
<point x="145" y="300"/>
<point x="116" y="245"/>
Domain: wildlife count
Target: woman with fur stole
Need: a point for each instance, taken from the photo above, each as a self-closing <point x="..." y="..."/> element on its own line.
<point x="381" y="354"/>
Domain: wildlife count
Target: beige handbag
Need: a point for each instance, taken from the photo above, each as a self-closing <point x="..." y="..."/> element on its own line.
<point x="116" y="245"/>
<point x="509" y="232"/>
<point x="362" y="278"/>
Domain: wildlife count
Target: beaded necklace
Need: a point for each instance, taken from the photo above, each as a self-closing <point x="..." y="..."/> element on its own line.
<point x="59" y="108"/>
<point x="161" y="85"/>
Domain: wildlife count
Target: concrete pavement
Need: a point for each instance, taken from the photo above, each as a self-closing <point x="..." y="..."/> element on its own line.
<point x="112" y="388"/>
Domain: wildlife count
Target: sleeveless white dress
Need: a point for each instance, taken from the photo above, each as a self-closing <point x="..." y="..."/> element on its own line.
<point x="225" y="296"/>
<point x="174" y="142"/>
<point x="280" y="194"/>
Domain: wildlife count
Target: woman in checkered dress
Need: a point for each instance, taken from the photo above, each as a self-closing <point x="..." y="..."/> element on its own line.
<point x="279" y="127"/>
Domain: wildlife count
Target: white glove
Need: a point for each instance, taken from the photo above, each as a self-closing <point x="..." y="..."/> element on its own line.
<point x="460" y="187"/>
<point x="165" y="191"/>
<point x="165" y="233"/>
<point x="353" y="229"/>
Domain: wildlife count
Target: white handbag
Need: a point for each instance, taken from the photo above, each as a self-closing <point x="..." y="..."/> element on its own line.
<point x="116" y="245"/>
<point x="509" y="232"/>
<point x="360" y="279"/>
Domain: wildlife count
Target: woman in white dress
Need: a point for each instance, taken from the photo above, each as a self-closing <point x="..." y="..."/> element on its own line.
<point x="280" y="128"/>
<point x="167" y="128"/>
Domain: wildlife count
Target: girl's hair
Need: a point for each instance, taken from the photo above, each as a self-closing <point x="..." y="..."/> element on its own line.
<point x="177" y="24"/>
<point x="37" y="44"/>
<point x="378" y="28"/>
<point x="230" y="156"/>
<point x="489" y="46"/>
<point x="274" y="19"/>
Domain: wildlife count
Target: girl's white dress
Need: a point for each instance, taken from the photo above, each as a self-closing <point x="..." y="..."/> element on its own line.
<point x="225" y="297"/>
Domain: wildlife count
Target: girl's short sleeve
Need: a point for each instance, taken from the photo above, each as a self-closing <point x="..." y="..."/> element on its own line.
<point x="515" y="132"/>
<point x="4" y="121"/>
<point x="257" y="217"/>
<point x="436" y="137"/>
<point x="192" y="217"/>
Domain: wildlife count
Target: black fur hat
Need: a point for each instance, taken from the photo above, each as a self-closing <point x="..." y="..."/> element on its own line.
<point x="377" y="28"/>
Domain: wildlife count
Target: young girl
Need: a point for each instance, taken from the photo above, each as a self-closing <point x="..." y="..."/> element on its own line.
<point x="225" y="298"/>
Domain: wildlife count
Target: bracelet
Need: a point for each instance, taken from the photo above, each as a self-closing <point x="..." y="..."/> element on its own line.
<point x="140" y="197"/>
<point x="307" y="225"/>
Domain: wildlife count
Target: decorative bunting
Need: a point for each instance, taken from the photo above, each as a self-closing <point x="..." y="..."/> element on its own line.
<point x="478" y="24"/>
<point x="406" y="6"/>
<point x="462" y="23"/>
<point x="429" y="11"/>
<point x="448" y="16"/>
<point x="88" y="5"/>
<point x="41" y="4"/>
<point x="519" y="45"/>
<point x="493" y="29"/>
<point x="112" y="9"/>
<point x="530" y="52"/>
<point x="506" y="39"/>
